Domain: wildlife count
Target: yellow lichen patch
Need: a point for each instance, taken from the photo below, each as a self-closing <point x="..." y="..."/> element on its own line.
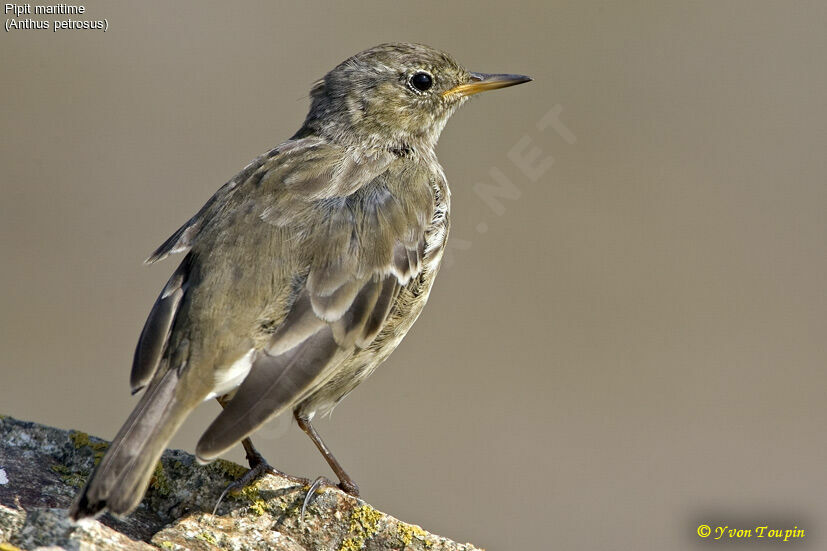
<point x="81" y="439"/>
<point x="365" y="519"/>
<point x="159" y="481"/>
<point x="257" y="504"/>
<point x="167" y="545"/>
<point x="228" y="467"/>
<point x="207" y="537"/>
<point x="9" y="547"/>
<point x="68" y="476"/>
<point x="352" y="544"/>
<point x="407" y="532"/>
<point x="364" y="523"/>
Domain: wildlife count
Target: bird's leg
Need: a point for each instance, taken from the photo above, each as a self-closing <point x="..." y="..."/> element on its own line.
<point x="254" y="458"/>
<point x="258" y="467"/>
<point x="345" y="482"/>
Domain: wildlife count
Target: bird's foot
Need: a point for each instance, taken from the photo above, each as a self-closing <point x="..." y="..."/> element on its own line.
<point x="311" y="494"/>
<point x="258" y="468"/>
<point x="347" y="486"/>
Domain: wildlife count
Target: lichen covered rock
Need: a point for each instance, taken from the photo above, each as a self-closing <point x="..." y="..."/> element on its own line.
<point x="42" y="468"/>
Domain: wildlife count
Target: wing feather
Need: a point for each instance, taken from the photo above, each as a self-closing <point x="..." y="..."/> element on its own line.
<point x="352" y="322"/>
<point x="347" y="232"/>
<point x="273" y="385"/>
<point x="301" y="322"/>
<point x="184" y="237"/>
<point x="153" y="340"/>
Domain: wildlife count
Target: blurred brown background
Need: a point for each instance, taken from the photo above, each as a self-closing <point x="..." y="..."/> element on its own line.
<point x="633" y="345"/>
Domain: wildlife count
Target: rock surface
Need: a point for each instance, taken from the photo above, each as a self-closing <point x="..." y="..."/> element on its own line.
<point x="42" y="468"/>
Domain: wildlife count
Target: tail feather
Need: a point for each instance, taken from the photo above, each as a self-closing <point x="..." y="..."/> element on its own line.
<point x="120" y="480"/>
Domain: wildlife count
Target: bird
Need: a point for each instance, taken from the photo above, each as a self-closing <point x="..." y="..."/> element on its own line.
<point x="301" y="274"/>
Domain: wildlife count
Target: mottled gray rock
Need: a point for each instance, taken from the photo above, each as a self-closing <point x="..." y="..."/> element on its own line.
<point x="41" y="469"/>
<point x="11" y="521"/>
<point x="52" y="528"/>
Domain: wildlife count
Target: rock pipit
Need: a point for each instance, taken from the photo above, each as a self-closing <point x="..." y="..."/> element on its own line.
<point x="302" y="273"/>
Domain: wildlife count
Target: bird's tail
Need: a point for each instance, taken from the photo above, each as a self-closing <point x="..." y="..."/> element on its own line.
<point x="120" y="480"/>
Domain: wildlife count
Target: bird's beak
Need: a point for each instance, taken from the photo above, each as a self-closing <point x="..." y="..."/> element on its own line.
<point x="480" y="82"/>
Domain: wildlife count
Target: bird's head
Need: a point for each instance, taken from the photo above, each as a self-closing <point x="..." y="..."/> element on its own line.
<point x="394" y="96"/>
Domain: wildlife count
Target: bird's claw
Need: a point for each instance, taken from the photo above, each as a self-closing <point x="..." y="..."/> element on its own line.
<point x="347" y="486"/>
<point x="311" y="494"/>
<point x="259" y="469"/>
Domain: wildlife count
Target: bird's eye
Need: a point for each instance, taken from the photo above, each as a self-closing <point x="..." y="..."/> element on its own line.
<point x="421" y="81"/>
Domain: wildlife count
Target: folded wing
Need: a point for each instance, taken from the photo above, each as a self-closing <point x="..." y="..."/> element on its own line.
<point x="359" y="244"/>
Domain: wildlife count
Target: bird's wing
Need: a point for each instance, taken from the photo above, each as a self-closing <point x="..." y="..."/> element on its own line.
<point x="357" y="225"/>
<point x="184" y="237"/>
<point x="154" y="339"/>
